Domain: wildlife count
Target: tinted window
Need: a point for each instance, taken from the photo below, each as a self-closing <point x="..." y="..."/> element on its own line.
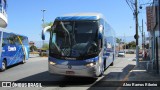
<point x="22" y="40"/>
<point x="5" y="38"/>
<point x="86" y="27"/>
<point x="9" y="38"/>
<point x="13" y="39"/>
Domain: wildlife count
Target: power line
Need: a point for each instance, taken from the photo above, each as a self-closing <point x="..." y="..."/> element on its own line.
<point x="131" y="7"/>
<point x="132" y="4"/>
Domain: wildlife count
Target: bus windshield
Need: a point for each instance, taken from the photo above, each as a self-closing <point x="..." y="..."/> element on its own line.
<point x="74" y="39"/>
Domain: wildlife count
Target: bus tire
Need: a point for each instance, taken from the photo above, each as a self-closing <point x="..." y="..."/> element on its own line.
<point x="24" y="60"/>
<point x="4" y="65"/>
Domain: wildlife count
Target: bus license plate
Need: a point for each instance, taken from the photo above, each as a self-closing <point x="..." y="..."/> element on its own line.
<point x="70" y="72"/>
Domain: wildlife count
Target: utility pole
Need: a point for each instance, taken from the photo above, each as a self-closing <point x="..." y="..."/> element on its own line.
<point x="142" y="40"/>
<point x="136" y="22"/>
<point x="43" y="22"/>
<point x="124" y="43"/>
<point x="159" y="13"/>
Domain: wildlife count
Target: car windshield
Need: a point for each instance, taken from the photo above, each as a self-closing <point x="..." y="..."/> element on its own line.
<point x="74" y="38"/>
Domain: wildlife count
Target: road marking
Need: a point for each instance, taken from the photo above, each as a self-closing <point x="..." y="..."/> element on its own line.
<point x="131" y="59"/>
<point x="138" y="71"/>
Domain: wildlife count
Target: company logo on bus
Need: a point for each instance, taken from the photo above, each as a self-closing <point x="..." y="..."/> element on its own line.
<point x="11" y="48"/>
<point x="68" y="58"/>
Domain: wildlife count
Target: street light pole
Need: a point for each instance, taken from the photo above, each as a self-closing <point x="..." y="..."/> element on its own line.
<point x="43" y="22"/>
<point x="136" y="21"/>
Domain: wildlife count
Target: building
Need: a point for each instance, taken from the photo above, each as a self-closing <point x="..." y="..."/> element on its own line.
<point x="3" y="14"/>
<point x="153" y="13"/>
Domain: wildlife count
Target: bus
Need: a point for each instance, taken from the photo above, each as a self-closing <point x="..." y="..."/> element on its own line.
<point x="80" y="44"/>
<point x="14" y="48"/>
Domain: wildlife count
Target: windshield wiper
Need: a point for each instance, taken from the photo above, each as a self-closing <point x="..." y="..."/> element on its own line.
<point x="64" y="28"/>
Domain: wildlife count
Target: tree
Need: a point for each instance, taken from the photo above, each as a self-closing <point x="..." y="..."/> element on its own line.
<point x="118" y="41"/>
<point x="131" y="45"/>
<point x="45" y="46"/>
<point x="33" y="48"/>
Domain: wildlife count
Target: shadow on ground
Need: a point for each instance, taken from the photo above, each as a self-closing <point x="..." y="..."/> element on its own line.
<point x="48" y="79"/>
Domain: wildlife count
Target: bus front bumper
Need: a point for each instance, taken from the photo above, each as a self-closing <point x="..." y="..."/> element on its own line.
<point x="71" y="70"/>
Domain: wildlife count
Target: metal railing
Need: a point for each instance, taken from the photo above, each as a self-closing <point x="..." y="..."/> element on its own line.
<point x="3" y="11"/>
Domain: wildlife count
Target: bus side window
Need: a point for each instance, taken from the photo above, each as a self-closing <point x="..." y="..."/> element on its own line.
<point x="18" y="40"/>
<point x="13" y="39"/>
<point x="5" y="39"/>
<point x="3" y="44"/>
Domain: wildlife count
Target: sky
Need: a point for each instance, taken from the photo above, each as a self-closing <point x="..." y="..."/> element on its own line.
<point x="25" y="16"/>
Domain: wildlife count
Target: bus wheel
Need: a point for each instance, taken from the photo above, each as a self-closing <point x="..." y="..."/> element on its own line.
<point x="23" y="61"/>
<point x="4" y="65"/>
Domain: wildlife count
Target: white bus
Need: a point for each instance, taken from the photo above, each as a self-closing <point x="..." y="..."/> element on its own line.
<point x="78" y="45"/>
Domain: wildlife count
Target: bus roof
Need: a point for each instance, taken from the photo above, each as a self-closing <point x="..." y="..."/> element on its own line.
<point x="80" y="16"/>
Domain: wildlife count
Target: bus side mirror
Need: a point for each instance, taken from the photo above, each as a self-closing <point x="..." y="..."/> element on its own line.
<point x="44" y="31"/>
<point x="43" y="35"/>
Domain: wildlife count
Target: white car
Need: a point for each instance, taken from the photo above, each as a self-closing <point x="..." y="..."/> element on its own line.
<point x="121" y="54"/>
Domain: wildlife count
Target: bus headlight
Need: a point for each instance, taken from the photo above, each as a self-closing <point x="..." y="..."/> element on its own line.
<point x="90" y="64"/>
<point x="52" y="63"/>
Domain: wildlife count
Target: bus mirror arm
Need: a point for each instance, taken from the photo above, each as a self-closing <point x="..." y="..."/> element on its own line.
<point x="44" y="31"/>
